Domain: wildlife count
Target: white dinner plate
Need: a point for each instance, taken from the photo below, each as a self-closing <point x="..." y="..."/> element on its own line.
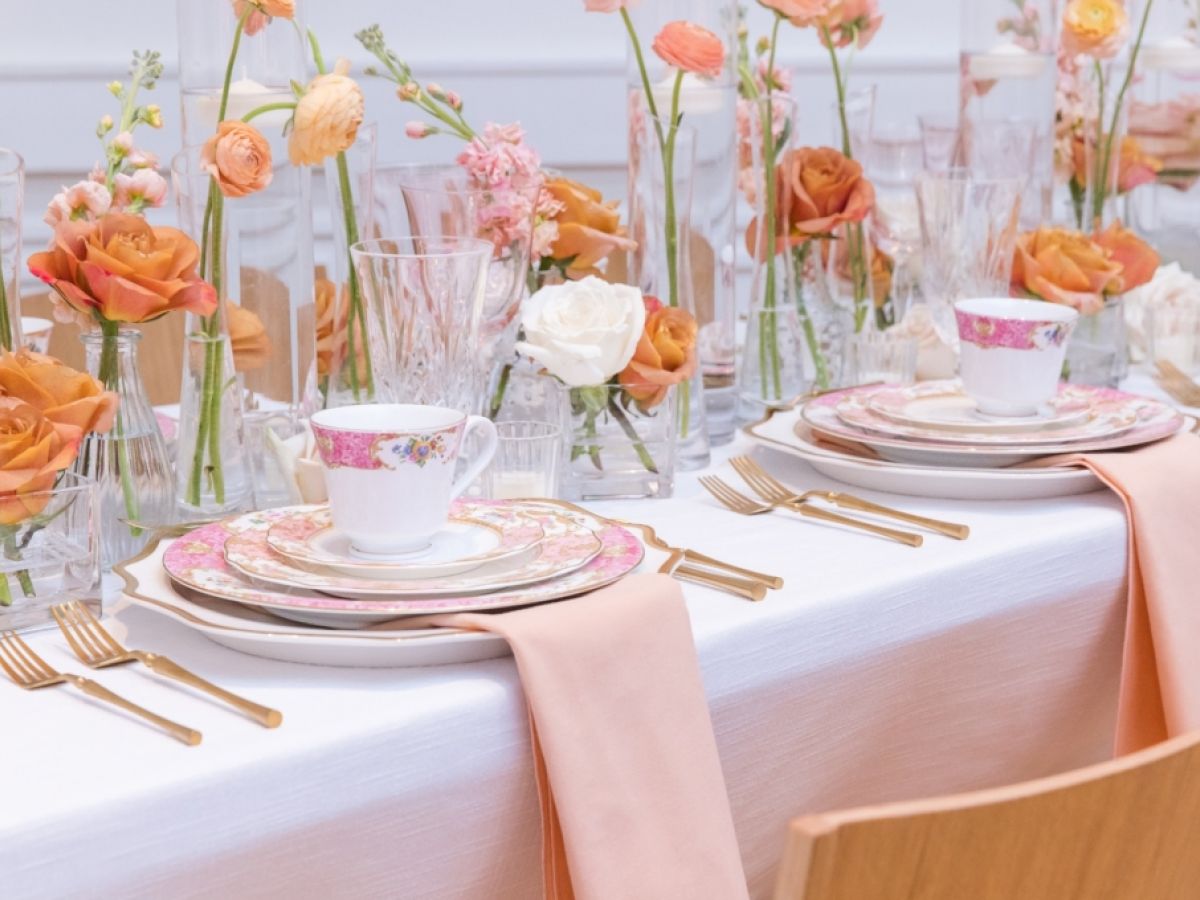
<point x="778" y="431"/>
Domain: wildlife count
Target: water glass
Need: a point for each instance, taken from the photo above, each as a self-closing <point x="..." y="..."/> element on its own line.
<point x="892" y="160"/>
<point x="424" y="299"/>
<point x="1172" y="333"/>
<point x="880" y="356"/>
<point x="526" y="463"/>
<point x="859" y="119"/>
<point x="12" y="193"/>
<point x="941" y="146"/>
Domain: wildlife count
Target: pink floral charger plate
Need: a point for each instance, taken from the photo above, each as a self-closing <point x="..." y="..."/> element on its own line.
<point x="565" y="545"/>
<point x="197" y="561"/>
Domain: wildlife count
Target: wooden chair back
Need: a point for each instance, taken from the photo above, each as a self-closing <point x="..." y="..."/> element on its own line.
<point x="1128" y="829"/>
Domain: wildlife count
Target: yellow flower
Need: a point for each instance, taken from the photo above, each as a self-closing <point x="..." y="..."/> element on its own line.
<point x="327" y="117"/>
<point x="1097" y="28"/>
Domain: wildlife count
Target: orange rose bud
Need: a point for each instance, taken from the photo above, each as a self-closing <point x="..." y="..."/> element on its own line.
<point x="665" y="355"/>
<point x="33" y="450"/>
<point x="589" y="229"/>
<point x="120" y="269"/>
<point x="247" y="338"/>
<point x="1065" y="267"/>
<point x="690" y="48"/>
<point x="62" y="394"/>
<point x="238" y="157"/>
<point x="1138" y="259"/>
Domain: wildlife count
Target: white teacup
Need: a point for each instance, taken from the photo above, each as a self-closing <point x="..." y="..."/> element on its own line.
<point x="389" y="470"/>
<point x="1012" y="352"/>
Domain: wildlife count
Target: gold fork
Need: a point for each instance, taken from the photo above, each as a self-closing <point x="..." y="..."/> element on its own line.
<point x="97" y="649"/>
<point x="1177" y="383"/>
<point x="31" y="672"/>
<point x="740" y="503"/>
<point x="772" y="490"/>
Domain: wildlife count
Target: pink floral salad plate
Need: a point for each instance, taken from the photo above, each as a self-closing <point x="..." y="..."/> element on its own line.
<point x="1154" y="421"/>
<point x="476" y="534"/>
<point x="197" y="561"/>
<point x="1078" y="413"/>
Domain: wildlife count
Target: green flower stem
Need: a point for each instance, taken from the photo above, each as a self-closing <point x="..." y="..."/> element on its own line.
<point x="841" y="92"/>
<point x="1099" y="172"/>
<point x="6" y="334"/>
<point x="109" y="375"/>
<point x="498" y="395"/>
<point x="651" y="103"/>
<point x="356" y="321"/>
<point x="671" y="225"/>
<point x="266" y="108"/>
<point x="631" y="432"/>
<point x="5" y="592"/>
<point x="800" y="255"/>
<point x="12" y="551"/>
<point x="768" y="323"/>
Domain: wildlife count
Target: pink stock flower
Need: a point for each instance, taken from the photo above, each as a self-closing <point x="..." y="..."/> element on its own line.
<point x="778" y="78"/>
<point x="145" y="187"/>
<point x="417" y="130"/>
<point x="499" y="155"/>
<point x="604" y="6"/>
<point x="141" y="159"/>
<point x="84" y="200"/>
<point x="123" y="142"/>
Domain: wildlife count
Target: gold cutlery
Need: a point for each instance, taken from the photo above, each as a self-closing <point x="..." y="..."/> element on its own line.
<point x="772" y="490"/>
<point x="31" y="672"/>
<point x="739" y="587"/>
<point x="1181" y="387"/>
<point x="698" y="559"/>
<point x="743" y="505"/>
<point x="97" y="649"/>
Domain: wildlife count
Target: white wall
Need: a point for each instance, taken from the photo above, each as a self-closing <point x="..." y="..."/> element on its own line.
<point x="543" y="62"/>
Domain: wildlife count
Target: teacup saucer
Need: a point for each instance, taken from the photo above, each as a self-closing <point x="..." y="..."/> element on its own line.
<point x="474" y="536"/>
<point x="944" y="406"/>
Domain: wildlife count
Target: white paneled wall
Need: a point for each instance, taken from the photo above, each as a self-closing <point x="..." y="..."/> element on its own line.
<point x="543" y="62"/>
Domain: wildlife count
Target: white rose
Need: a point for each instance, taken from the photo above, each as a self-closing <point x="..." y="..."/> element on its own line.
<point x="584" y="332"/>
<point x="1170" y="298"/>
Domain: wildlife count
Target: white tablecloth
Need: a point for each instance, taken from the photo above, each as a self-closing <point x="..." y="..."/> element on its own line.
<point x="880" y="672"/>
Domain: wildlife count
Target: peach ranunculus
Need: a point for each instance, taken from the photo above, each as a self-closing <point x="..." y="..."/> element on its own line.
<point x="800" y="12"/>
<point x="327" y="117"/>
<point x="665" y="354"/>
<point x="247" y="338"/>
<point x="1096" y="28"/>
<point x="33" y="450"/>
<point x="690" y="48"/>
<point x="238" y="157"/>
<point x="121" y="269"/>
<point x="850" y="22"/>
<point x="589" y="229"/>
<point x="822" y="190"/>
<point x="62" y="394"/>
<point x="1065" y="267"/>
<point x="604" y="6"/>
<point x="1138" y="260"/>
<point x="262" y="12"/>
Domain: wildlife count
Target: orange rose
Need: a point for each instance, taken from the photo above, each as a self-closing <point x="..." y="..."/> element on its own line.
<point x="1065" y="267"/>
<point x="238" y="157"/>
<point x="819" y="190"/>
<point x="1097" y="28"/>
<point x="33" y="450"/>
<point x="327" y="117"/>
<point x="881" y="269"/>
<point x="333" y="316"/>
<point x="690" y="48"/>
<point x="61" y="394"/>
<point x="247" y="338"/>
<point x="1134" y="167"/>
<point x="589" y="229"/>
<point x="120" y="269"/>
<point x="1138" y="260"/>
<point x="665" y="354"/>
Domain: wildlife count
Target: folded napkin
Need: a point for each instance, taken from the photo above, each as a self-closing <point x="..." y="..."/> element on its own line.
<point x="1160" y="676"/>
<point x="300" y="464"/>
<point x="633" y="799"/>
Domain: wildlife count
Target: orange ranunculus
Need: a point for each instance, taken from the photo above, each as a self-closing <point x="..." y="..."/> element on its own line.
<point x="262" y="12"/>
<point x="247" y="338"/>
<point x="1097" y="28"/>
<point x="327" y="117"/>
<point x="690" y="48"/>
<point x="333" y="316"/>
<point x="819" y="190"/>
<point x="238" y="157"/>
<point x="665" y="354"/>
<point x="1134" y="167"/>
<point x="1065" y="267"/>
<point x="1138" y="259"/>
<point x="60" y="393"/>
<point x="589" y="229"/>
<point x="120" y="269"/>
<point x="33" y="450"/>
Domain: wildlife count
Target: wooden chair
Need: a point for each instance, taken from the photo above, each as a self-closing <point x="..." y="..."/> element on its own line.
<point x="1128" y="829"/>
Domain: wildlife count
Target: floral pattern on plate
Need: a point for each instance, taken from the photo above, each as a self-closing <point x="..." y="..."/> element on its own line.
<point x="197" y="561"/>
<point x="945" y="406"/>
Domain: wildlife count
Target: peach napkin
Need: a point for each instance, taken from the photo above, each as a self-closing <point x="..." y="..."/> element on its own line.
<point x="1160" y="677"/>
<point x="633" y="798"/>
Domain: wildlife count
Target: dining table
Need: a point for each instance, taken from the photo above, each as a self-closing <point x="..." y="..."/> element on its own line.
<point x="878" y="672"/>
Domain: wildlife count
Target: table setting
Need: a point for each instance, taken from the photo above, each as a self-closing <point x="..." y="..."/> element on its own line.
<point x="479" y="531"/>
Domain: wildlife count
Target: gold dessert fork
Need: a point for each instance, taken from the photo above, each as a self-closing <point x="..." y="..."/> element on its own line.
<point x="775" y="491"/>
<point x="31" y="672"/>
<point x="97" y="649"/>
<point x="1182" y="388"/>
<point x="743" y="505"/>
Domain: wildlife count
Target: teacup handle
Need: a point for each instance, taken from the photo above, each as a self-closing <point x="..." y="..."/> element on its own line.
<point x="491" y="441"/>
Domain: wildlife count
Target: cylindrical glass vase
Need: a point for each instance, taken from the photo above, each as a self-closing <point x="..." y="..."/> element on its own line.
<point x="135" y="486"/>
<point x="663" y="266"/>
<point x="12" y="191"/>
<point x="1098" y="352"/>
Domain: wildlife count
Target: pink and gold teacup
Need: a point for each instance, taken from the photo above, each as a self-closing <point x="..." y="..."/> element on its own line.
<point x="389" y="469"/>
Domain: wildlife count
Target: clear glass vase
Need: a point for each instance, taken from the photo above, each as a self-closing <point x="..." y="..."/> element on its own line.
<point x="619" y="448"/>
<point x="709" y="108"/>
<point x="771" y="374"/>
<point x="1098" y="352"/>
<point x="1097" y="202"/>
<point x="135" y="487"/>
<point x="344" y="372"/>
<point x="662" y="227"/>
<point x="12" y="194"/>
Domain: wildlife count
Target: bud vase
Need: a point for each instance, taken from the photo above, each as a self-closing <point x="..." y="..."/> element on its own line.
<point x="12" y="190"/>
<point x="662" y="263"/>
<point x="1098" y="352"/>
<point x="771" y="373"/>
<point x="129" y="464"/>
